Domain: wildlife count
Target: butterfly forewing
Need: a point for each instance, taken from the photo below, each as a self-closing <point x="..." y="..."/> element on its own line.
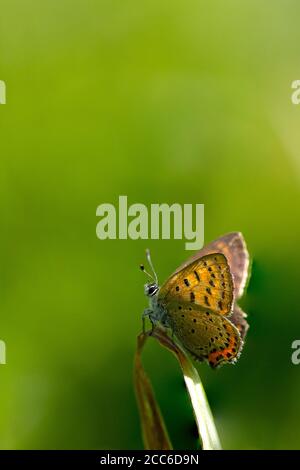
<point x="206" y="282"/>
<point x="206" y="335"/>
<point x="233" y="246"/>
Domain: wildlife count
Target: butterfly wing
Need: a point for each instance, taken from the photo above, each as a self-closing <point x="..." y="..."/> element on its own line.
<point x="233" y="246"/>
<point x="238" y="318"/>
<point x="206" y="335"/>
<point x="205" y="282"/>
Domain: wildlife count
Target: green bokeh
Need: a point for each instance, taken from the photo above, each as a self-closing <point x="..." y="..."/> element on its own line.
<point x="185" y="102"/>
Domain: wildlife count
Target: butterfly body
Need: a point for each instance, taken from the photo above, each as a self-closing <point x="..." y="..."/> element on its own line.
<point x="157" y="311"/>
<point x="197" y="302"/>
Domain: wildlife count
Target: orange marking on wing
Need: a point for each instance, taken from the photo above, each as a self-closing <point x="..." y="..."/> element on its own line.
<point x="227" y="354"/>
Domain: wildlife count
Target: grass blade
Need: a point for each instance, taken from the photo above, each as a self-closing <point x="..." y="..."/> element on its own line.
<point x="154" y="430"/>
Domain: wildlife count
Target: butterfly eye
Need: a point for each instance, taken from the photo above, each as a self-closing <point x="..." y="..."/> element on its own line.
<point x="151" y="289"/>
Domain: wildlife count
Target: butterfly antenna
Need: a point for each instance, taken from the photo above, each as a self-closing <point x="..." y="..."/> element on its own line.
<point x="142" y="267"/>
<point x="151" y="265"/>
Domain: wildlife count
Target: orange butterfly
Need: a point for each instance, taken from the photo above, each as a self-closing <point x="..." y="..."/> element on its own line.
<point x="197" y="302"/>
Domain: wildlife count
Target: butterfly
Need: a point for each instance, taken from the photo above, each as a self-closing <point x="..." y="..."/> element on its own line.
<point x="198" y="301"/>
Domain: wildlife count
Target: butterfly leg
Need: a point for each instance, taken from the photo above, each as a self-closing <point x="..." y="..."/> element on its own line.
<point x="146" y="313"/>
<point x="152" y="327"/>
<point x="144" y="325"/>
<point x="173" y="336"/>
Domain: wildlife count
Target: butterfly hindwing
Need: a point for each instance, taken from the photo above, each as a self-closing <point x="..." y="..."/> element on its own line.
<point x="238" y="318"/>
<point x="206" y="282"/>
<point x="206" y="335"/>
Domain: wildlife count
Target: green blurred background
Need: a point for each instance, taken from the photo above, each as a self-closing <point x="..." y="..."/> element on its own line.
<point x="186" y="102"/>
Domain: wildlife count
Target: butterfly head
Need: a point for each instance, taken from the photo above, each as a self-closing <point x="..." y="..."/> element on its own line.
<point x="151" y="288"/>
